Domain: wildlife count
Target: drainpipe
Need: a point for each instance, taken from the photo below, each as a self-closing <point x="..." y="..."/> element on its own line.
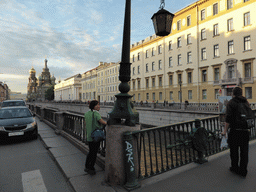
<point x="198" y="56"/>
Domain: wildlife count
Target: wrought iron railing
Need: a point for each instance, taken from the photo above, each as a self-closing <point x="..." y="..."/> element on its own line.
<point x="49" y="115"/>
<point x="164" y="148"/>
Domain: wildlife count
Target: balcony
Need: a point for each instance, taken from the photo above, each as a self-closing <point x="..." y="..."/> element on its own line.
<point x="247" y="80"/>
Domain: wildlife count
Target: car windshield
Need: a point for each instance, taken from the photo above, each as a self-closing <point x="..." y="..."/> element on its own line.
<point x="11" y="113"/>
<point x="13" y="103"/>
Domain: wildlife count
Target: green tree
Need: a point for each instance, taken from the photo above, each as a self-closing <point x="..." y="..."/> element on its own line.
<point x="49" y="93"/>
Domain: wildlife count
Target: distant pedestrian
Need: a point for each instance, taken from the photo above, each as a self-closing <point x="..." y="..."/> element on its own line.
<point x="93" y="120"/>
<point x="141" y="103"/>
<point x="238" y="136"/>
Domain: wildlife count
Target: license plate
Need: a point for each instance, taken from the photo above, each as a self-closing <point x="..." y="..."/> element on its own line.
<point x="16" y="133"/>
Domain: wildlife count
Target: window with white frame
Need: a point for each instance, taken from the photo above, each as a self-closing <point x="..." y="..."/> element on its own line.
<point x="153" y="96"/>
<point x="204" y="94"/>
<point x="179" y="42"/>
<point x="170" y="45"/>
<point x="147" y="53"/>
<point x="216" y="52"/>
<point x="189" y="39"/>
<point x="188" y="20"/>
<point x="147" y="96"/>
<point x="160" y="96"/>
<point x="147" y="83"/>
<point x="153" y="82"/>
<point x="160" y="49"/>
<point x="159" y="64"/>
<point x="189" y="57"/>
<point x="247" y="70"/>
<point x="215" y="9"/>
<point x="170" y="61"/>
<point x="215" y="29"/>
<point x="138" y="84"/>
<point x="170" y="80"/>
<point x="189" y="77"/>
<point x="203" y="34"/>
<point x="146" y="67"/>
<point x="153" y="66"/>
<point x="178" y="25"/>
<point x="231" y="71"/>
<point x="248" y="92"/>
<point x="204" y="76"/>
<point x="202" y="14"/>
<point x="133" y="72"/>
<point x="230" y="24"/>
<point x="229" y="4"/>
<point x="160" y="81"/>
<point x="179" y="59"/>
<point x="247" y="43"/>
<point x="138" y="69"/>
<point x="189" y="94"/>
<point x="171" y="95"/>
<point x="247" y="19"/>
<point x="203" y="53"/>
<point x="133" y="59"/>
<point x="231" y="47"/>
<point x="138" y="56"/>
<point x="153" y="51"/>
<point x="216" y="74"/>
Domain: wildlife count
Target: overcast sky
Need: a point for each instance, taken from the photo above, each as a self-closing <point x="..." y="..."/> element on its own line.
<point x="74" y="35"/>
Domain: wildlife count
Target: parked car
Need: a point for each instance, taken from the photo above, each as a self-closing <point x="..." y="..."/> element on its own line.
<point x="17" y="122"/>
<point x="13" y="103"/>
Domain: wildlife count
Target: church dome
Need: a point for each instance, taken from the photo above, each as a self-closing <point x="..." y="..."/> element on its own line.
<point x="32" y="70"/>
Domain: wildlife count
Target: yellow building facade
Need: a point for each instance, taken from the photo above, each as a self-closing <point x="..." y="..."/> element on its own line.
<point x="210" y="50"/>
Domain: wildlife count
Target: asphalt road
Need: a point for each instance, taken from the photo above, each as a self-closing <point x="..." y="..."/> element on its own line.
<point x="26" y="166"/>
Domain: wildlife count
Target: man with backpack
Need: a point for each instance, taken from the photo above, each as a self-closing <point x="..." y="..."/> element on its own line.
<point x="239" y="120"/>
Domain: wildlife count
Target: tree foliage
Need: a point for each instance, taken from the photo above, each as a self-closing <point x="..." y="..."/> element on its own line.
<point x="49" y="93"/>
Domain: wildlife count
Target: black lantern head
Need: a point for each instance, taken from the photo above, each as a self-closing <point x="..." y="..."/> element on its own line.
<point x="162" y="21"/>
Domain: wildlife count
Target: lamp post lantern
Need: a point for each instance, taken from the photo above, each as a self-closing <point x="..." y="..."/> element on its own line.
<point x="123" y="110"/>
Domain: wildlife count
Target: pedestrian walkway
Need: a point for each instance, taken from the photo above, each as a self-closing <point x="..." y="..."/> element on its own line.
<point x="213" y="176"/>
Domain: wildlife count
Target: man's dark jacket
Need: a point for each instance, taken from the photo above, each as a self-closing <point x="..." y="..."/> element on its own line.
<point x="232" y="109"/>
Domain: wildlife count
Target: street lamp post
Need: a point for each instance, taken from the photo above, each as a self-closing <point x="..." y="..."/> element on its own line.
<point x="162" y="21"/>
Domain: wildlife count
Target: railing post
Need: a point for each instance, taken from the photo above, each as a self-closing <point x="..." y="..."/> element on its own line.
<point x="132" y="181"/>
<point x="42" y="113"/>
<point x="59" y="122"/>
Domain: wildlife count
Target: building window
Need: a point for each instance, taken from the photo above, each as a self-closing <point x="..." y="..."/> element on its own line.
<point x="229" y="4"/>
<point x="138" y="84"/>
<point x="138" y="56"/>
<point x="139" y="96"/>
<point x="215" y="29"/>
<point x="147" y="96"/>
<point x="247" y="19"/>
<point x="153" y="96"/>
<point x="216" y="51"/>
<point x="160" y="49"/>
<point x="153" y="66"/>
<point x="146" y="67"/>
<point x="230" y="25"/>
<point x="248" y="92"/>
<point x="160" y="64"/>
<point x="247" y="43"/>
<point x="133" y="84"/>
<point x="246" y="0"/>
<point x="247" y="70"/>
<point x="215" y="9"/>
<point x="188" y="20"/>
<point x="138" y="69"/>
<point x="160" y="96"/>
<point x="204" y="96"/>
<point x="170" y="61"/>
<point x="231" y="47"/>
<point x="216" y="91"/>
<point x="147" y="55"/>
<point x="179" y="42"/>
<point x="202" y="14"/>
<point x="153" y="82"/>
<point x="189" y="57"/>
<point x="170" y="80"/>
<point x="179" y="78"/>
<point x="171" y="95"/>
<point x="189" y="39"/>
<point x="231" y="71"/>
<point x="203" y="53"/>
<point x="147" y="83"/>
<point x="153" y="51"/>
<point x="189" y="77"/>
<point x="204" y="75"/>
<point x="178" y="25"/>
<point x="133" y="72"/>
<point x="170" y="45"/>
<point x="203" y="34"/>
<point x="189" y="94"/>
<point x="160" y="81"/>
<point x="180" y="95"/>
<point x="133" y="59"/>
<point x="216" y="74"/>
<point x="179" y="59"/>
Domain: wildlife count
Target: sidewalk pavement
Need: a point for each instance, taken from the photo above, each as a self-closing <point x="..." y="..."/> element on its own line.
<point x="213" y="176"/>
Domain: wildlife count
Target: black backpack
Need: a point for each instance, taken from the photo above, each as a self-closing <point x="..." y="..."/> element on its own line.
<point x="245" y="116"/>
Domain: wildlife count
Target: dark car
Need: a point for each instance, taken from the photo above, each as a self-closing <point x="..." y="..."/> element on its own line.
<point x="17" y="122"/>
<point x="13" y="103"/>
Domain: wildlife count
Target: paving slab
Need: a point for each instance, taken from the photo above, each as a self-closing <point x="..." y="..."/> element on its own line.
<point x="56" y="142"/>
<point x="73" y="165"/>
<point x="92" y="183"/>
<point x="64" y="151"/>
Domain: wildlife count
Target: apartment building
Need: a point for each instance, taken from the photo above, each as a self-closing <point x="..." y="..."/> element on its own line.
<point x="210" y="50"/>
<point x="88" y="81"/>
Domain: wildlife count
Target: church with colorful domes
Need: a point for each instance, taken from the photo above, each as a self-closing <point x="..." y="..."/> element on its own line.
<point x="37" y="86"/>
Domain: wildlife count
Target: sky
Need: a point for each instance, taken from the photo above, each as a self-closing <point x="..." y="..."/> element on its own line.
<point x="74" y="35"/>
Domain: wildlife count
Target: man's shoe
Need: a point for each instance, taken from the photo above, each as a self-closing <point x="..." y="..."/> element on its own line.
<point x="92" y="172"/>
<point x="242" y="173"/>
<point x="86" y="170"/>
<point x="234" y="170"/>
